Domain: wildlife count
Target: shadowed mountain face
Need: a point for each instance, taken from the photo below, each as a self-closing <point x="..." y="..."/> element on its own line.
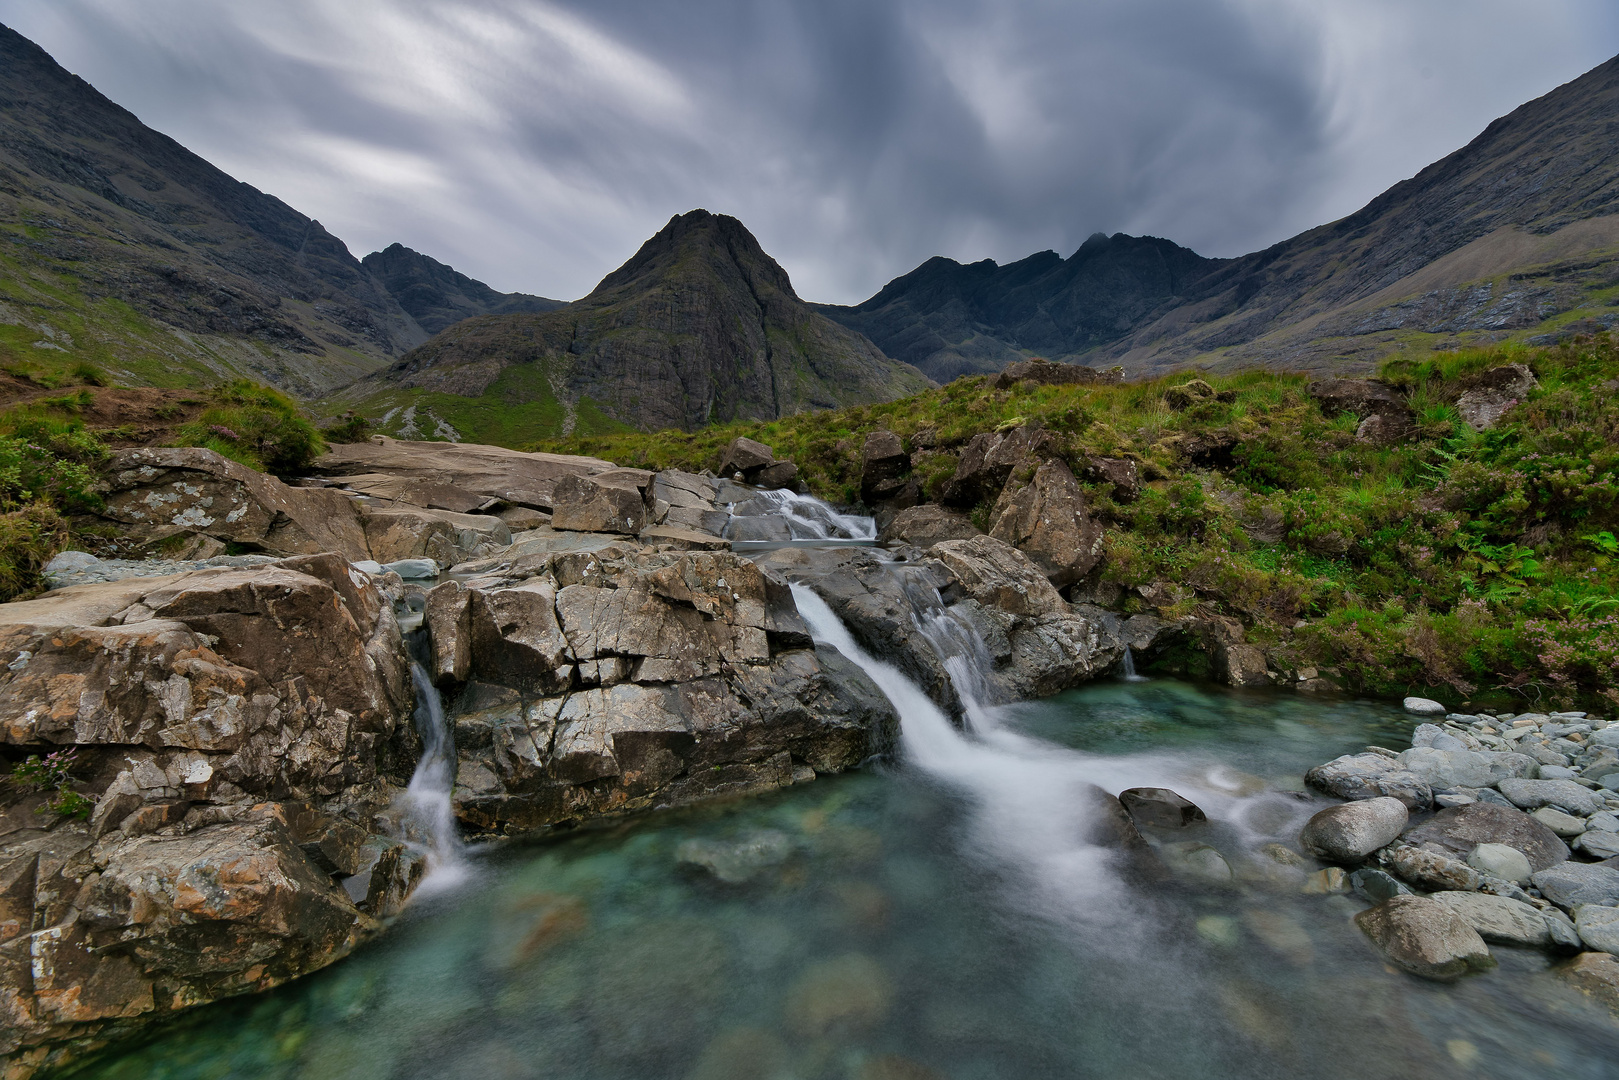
<point x="97" y="207"/>
<point x="437" y="296"/>
<point x="699" y="327"/>
<point x="1514" y="235"/>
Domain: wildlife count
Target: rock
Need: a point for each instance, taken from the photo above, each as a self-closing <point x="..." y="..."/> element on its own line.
<point x="1597" y="976"/>
<point x="490" y="472"/>
<point x="1599" y="844"/>
<point x="1045" y="372"/>
<point x="1386" y="417"/>
<point x="1562" y="794"/>
<point x="1424" y="706"/>
<point x="847" y="993"/>
<point x="1046" y="519"/>
<point x="686" y="539"/>
<point x="1430" y="870"/>
<point x="1328" y="882"/>
<point x="1190" y="393"/>
<point x="1560" y="932"/>
<point x="413" y="568"/>
<point x="924" y="526"/>
<point x="155" y="493"/>
<point x="1111" y="825"/>
<point x="1494" y="392"/>
<point x="1122" y="474"/>
<point x="1500" y="861"/>
<point x="1598" y="926"/>
<point x="1367" y="776"/>
<point x="1198" y="862"/>
<point x="414" y="491"/>
<point x="590" y="504"/>
<point x="1442" y="768"/>
<point x="1352" y="831"/>
<point x="884" y="467"/>
<point x="740" y="861"/>
<point x="998" y="575"/>
<point x="1425" y="938"/>
<point x="1498" y="918"/>
<point x="1570" y="884"/>
<point x="779" y="474"/>
<point x="1375" y="886"/>
<point x="987" y="462"/>
<point x="1564" y="825"/>
<point x="397" y="533"/>
<point x="747" y="457"/>
<point x="67" y="562"/>
<point x="1457" y="831"/>
<point x="1160" y="808"/>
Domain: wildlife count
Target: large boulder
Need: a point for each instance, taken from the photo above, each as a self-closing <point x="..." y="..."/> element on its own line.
<point x="1456" y="831"/>
<point x="1441" y="769"/>
<point x="885" y="468"/>
<point x="1562" y="794"/>
<point x="1350" y="832"/>
<point x="643" y="679"/>
<point x="998" y="575"/>
<point x="1425" y="937"/>
<point x="747" y="457"/>
<point x="157" y="493"/>
<point x="1046" y="519"/>
<point x="1493" y="392"/>
<point x="987" y="462"/>
<point x="1369" y="775"/>
<point x="201" y="710"/>
<point x="926" y="525"/>
<point x="1498" y="918"/>
<point x="489" y="472"/>
<point x="394" y="533"/>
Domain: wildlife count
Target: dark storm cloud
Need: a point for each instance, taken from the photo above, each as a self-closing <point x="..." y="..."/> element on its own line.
<point x="536" y="144"/>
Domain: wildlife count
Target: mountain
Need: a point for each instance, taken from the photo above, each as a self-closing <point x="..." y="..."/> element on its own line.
<point x="951" y="320"/>
<point x="699" y="327"/>
<point x="1514" y="236"/>
<point x="118" y="245"/>
<point x="436" y="296"/>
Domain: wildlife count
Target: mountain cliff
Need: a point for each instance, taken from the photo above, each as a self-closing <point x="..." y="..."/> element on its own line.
<point x="119" y="245"/>
<point x="436" y="296"/>
<point x="1514" y="236"/>
<point x="699" y="327"/>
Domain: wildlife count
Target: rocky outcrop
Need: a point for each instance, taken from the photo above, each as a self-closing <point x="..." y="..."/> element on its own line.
<point x="1042" y="372"/>
<point x="157" y="493"/>
<point x="487" y="472"/>
<point x="1046" y="518"/>
<point x="1385" y="416"/>
<point x="756" y="464"/>
<point x="1492" y="393"/>
<point x="613" y="501"/>
<point x="924" y="526"/>
<point x="609" y="682"/>
<point x="235" y="729"/>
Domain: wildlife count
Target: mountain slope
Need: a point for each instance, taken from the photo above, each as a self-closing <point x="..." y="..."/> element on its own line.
<point x="700" y="326"/>
<point x="118" y="244"/>
<point x="437" y="296"/>
<point x="1516" y="235"/>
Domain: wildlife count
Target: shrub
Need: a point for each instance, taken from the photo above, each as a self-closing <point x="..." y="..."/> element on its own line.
<point x="28" y="539"/>
<point x="257" y="426"/>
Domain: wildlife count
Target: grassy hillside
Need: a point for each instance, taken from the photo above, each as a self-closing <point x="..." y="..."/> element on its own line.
<point x="1477" y="562"/>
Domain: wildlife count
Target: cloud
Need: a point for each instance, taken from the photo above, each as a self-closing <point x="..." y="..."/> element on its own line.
<point x="536" y="144"/>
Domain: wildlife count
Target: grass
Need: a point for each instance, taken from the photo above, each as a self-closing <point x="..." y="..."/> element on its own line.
<point x="1473" y="562"/>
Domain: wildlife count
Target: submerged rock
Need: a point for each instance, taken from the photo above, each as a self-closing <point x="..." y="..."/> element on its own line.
<point x="1425" y="937"/>
<point x="1351" y="832"/>
<point x="1161" y="808"/>
<point x="739" y="861"/>
<point x="1597" y="975"/>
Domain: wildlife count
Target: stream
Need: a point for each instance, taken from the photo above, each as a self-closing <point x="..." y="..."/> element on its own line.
<point x="947" y="916"/>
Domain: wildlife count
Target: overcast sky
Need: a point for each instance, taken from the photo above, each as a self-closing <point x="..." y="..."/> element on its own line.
<point x="535" y="144"/>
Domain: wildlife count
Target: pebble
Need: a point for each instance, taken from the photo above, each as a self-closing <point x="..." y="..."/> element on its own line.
<point x="1564" y="825"/>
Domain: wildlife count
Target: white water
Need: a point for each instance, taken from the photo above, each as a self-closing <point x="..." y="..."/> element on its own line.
<point x="811" y="519"/>
<point x="427" y="811"/>
<point x="1129" y="667"/>
<point x="1031" y="811"/>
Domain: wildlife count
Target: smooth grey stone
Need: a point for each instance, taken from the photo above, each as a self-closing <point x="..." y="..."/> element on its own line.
<point x="1564" y="825"/>
<point x="413" y="568"/>
<point x="1352" y="831"/>
<point x="1598" y="926"/>
<point x="1497" y="918"/>
<point x="1498" y="860"/>
<point x="68" y="562"/>
<point x="1569" y="884"/>
<point x="369" y="566"/>
<point x="1606" y="821"/>
<point x="1564" y="794"/>
<point x="1424" y="706"/>
<point x="1560" y="929"/>
<point x="1599" y="843"/>
<point x="1556" y="772"/>
<point x="1376" y="886"/>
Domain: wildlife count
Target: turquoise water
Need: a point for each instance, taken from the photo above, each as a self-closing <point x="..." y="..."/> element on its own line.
<point x="902" y="924"/>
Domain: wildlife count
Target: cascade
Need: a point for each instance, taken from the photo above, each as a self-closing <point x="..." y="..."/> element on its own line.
<point x="427" y="813"/>
<point x="809" y="518"/>
<point x="1128" y="667"/>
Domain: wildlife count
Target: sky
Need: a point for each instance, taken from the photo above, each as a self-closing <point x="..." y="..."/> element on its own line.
<point x="535" y="145"/>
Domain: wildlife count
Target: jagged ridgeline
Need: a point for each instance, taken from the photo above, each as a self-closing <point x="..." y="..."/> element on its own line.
<point x="1513" y="237"/>
<point x="700" y="327"/>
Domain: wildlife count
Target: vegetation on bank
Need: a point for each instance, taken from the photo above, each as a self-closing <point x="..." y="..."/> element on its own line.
<point x="50" y="461"/>
<point x="1476" y="561"/>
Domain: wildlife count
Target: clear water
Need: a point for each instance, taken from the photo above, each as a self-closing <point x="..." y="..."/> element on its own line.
<point x="924" y="921"/>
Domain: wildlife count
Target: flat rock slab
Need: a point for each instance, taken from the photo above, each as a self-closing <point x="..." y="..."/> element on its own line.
<point x="488" y="471"/>
<point x="1498" y="918"/>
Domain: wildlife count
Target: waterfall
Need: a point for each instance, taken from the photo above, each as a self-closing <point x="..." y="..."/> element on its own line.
<point x="808" y="518"/>
<point x="1128" y="667"/>
<point x="427" y="813"/>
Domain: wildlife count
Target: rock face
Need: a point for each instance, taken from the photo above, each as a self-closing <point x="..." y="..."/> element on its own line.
<point x="1425" y="937"/>
<point x="1351" y="832"/>
<point x="924" y="526"/>
<point x="153" y="494"/>
<point x="614" y="501"/>
<point x="210" y="709"/>
<point x="1046" y="519"/>
<point x="608" y="682"/>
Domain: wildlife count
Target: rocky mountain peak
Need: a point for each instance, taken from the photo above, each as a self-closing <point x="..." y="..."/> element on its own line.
<point x="718" y="242"/>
